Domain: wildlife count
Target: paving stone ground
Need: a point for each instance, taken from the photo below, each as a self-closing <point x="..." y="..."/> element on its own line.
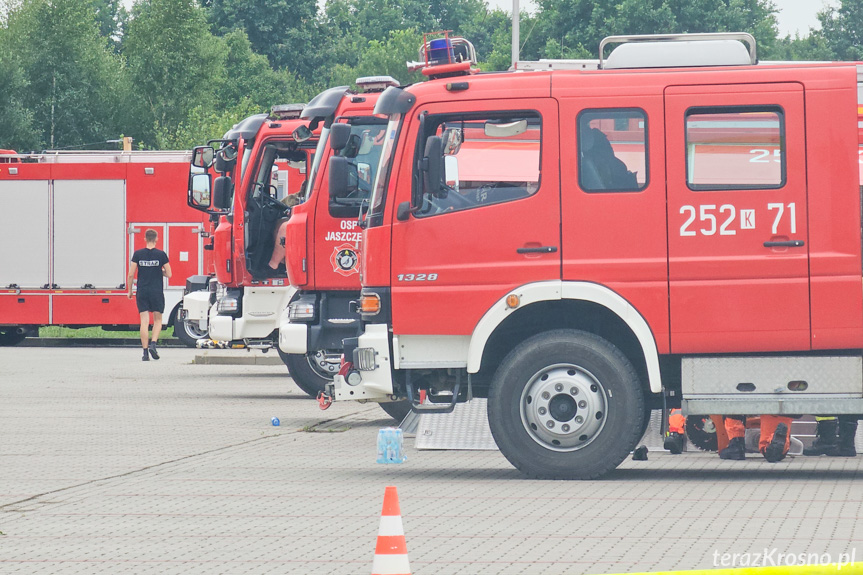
<point x="112" y="465"/>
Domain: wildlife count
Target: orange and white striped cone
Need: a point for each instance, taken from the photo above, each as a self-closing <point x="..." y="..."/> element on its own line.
<point x="391" y="552"/>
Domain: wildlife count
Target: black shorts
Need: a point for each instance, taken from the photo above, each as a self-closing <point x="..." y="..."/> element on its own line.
<point x="151" y="300"/>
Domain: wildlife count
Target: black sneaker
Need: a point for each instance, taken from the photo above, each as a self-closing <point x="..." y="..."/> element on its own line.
<point x="736" y="450"/>
<point x="775" y="450"/>
<point x="146" y="356"/>
<point x="674" y="443"/>
<point x="153" y="351"/>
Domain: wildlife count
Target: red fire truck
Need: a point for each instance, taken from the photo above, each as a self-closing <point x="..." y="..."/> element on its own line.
<point x="322" y="260"/>
<point x="70" y="222"/>
<point x="267" y="156"/>
<point x="683" y="229"/>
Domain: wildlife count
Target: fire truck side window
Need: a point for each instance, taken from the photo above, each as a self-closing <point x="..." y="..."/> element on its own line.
<point x="612" y="150"/>
<point x="487" y="159"/>
<point x="735" y="148"/>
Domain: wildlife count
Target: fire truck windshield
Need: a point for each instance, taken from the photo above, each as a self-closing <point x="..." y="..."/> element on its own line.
<point x="379" y="189"/>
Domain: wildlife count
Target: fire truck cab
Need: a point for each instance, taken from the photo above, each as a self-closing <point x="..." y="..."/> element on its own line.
<point x="680" y="225"/>
<point x="323" y="260"/>
<point x="265" y="159"/>
<point x="205" y="165"/>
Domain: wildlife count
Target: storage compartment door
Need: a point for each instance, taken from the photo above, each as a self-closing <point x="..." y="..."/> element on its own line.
<point x="24" y="237"/>
<point x="184" y="252"/>
<point x="89" y="233"/>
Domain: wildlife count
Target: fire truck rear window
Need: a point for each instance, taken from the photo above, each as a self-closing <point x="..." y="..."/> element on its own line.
<point x="488" y="159"/>
<point x="728" y="149"/>
<point x="612" y="154"/>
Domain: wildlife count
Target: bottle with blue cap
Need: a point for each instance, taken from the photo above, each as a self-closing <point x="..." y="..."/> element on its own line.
<point x="390" y="445"/>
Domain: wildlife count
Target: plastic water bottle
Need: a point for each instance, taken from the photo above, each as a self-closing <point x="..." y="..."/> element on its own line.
<point x="391" y="445"/>
<point x="275" y="421"/>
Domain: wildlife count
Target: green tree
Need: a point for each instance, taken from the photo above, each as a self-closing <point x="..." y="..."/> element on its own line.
<point x="842" y="29"/>
<point x="71" y="78"/>
<point x="285" y="31"/>
<point x="17" y="127"/>
<point x="174" y="63"/>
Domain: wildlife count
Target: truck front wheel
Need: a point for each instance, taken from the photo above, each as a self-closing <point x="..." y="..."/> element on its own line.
<point x="188" y="332"/>
<point x="312" y="371"/>
<point x="566" y="404"/>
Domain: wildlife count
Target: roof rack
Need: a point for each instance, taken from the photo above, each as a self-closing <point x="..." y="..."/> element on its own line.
<point x="552" y="64"/>
<point x="679" y="50"/>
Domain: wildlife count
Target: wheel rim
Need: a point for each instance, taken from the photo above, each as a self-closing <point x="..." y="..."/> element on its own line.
<point x="563" y="407"/>
<point x="325" y="363"/>
<point x="194" y="331"/>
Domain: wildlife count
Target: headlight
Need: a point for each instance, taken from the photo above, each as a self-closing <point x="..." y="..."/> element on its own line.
<point x="228" y="305"/>
<point x="364" y="358"/>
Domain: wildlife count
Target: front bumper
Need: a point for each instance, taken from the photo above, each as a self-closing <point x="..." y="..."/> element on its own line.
<point x="196" y="307"/>
<point x="377" y="382"/>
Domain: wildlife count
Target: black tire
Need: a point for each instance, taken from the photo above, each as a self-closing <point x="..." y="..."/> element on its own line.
<point x="310" y="380"/>
<point x="398" y="410"/>
<point x="9" y="336"/>
<point x="575" y="374"/>
<point x="702" y="438"/>
<point x="188" y="333"/>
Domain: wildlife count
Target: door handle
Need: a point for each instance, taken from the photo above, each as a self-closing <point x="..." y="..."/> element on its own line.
<point x="538" y="250"/>
<point x="786" y="244"/>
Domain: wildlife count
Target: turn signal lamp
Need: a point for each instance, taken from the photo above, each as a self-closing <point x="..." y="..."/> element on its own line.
<point x="370" y="303"/>
<point x="512" y="301"/>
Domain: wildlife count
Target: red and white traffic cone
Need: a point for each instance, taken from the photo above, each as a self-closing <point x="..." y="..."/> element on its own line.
<point x="391" y="552"/>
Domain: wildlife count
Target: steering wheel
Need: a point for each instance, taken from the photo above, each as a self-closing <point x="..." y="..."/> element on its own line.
<point x="451" y="201"/>
<point x="265" y="200"/>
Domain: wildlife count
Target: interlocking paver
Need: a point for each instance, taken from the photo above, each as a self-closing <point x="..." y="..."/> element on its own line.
<point x="108" y="465"/>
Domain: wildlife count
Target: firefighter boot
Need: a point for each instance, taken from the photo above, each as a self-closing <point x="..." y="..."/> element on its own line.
<point x="847" y="433"/>
<point x="825" y="438"/>
<point x="674" y="443"/>
<point x="775" y="450"/>
<point x="736" y="450"/>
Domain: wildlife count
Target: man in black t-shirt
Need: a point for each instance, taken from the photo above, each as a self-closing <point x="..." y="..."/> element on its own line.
<point x="151" y="264"/>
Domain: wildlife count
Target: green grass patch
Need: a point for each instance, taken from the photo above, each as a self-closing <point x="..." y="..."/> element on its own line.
<point x="94" y="332"/>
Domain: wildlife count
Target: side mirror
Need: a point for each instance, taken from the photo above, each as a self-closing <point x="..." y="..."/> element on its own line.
<point x="339" y="170"/>
<point x="226" y="159"/>
<point x="343" y="181"/>
<point x="223" y="193"/>
<point x="432" y="166"/>
<point x="450" y="168"/>
<point x="301" y="134"/>
<point x="339" y="136"/>
<point x="199" y="192"/>
<point x="202" y="156"/>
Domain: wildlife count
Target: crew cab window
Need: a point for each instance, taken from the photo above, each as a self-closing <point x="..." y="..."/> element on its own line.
<point x="735" y="148"/>
<point x="612" y="150"/>
<point x="486" y="159"/>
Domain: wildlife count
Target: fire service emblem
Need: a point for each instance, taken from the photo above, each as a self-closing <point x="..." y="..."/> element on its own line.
<point x="345" y="260"/>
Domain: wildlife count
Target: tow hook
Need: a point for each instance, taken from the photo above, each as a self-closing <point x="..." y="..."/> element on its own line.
<point x="324" y="400"/>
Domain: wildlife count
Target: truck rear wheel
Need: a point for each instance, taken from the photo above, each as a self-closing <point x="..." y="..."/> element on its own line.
<point x="312" y="371"/>
<point x="9" y="336"/>
<point x="566" y="404"/>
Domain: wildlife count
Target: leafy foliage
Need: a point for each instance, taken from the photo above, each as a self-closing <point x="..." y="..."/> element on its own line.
<point x="174" y="73"/>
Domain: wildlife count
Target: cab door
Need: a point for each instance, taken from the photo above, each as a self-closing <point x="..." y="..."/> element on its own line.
<point x="737" y="218"/>
<point x="496" y="224"/>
